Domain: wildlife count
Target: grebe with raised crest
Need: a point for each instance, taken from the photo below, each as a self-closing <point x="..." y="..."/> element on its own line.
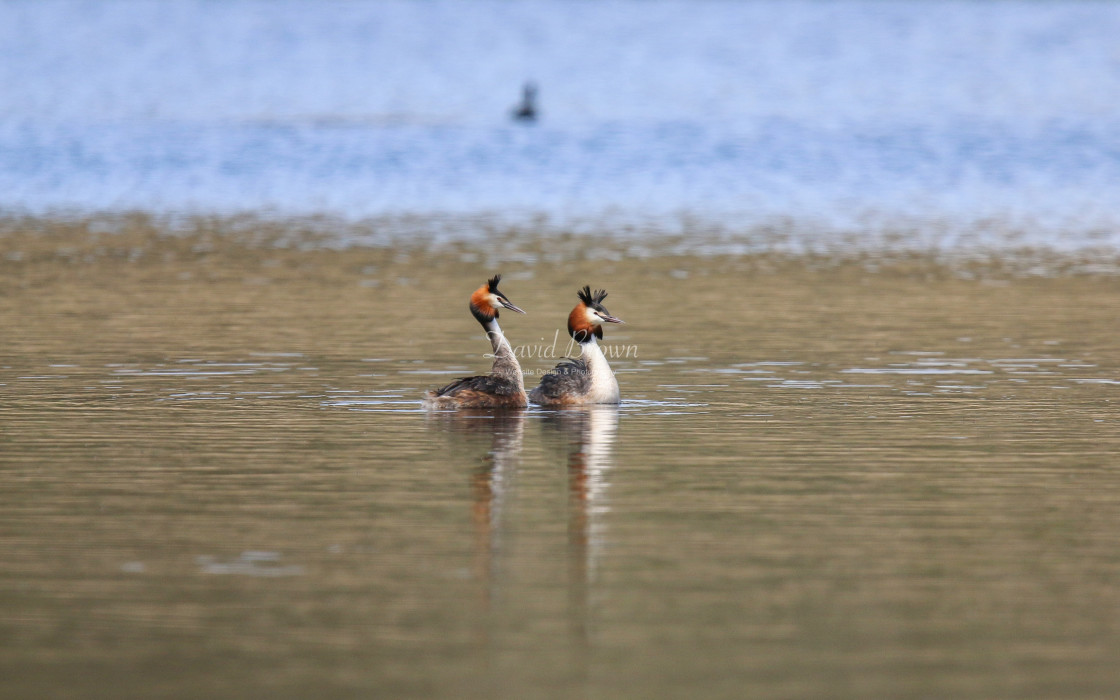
<point x="504" y="387"/>
<point x="587" y="379"/>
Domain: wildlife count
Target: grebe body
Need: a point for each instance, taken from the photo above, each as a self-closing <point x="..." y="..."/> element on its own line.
<point x="504" y="387"/>
<point x="587" y="379"/>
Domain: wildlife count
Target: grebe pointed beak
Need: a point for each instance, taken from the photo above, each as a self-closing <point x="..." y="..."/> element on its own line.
<point x="509" y="305"/>
<point x="611" y="319"/>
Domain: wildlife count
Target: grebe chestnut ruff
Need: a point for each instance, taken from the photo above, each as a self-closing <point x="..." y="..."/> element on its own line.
<point x="504" y="387"/>
<point x="587" y="379"/>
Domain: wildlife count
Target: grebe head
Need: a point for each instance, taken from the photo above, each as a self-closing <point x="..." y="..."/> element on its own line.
<point x="487" y="300"/>
<point x="587" y="319"/>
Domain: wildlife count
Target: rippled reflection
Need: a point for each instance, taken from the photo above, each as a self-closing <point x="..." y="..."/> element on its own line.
<point x="588" y="439"/>
<point x="589" y="435"/>
<point x="511" y="515"/>
<point x="498" y="435"/>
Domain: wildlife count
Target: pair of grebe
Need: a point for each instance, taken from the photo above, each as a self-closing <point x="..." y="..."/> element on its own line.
<point x="587" y="379"/>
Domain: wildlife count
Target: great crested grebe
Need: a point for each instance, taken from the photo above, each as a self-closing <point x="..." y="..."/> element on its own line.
<point x="587" y="379"/>
<point x="504" y="387"/>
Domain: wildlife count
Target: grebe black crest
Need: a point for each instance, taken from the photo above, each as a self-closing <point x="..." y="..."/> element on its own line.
<point x="587" y="379"/>
<point x="504" y="387"/>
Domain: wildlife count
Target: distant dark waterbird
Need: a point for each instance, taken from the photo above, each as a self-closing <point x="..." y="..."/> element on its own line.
<point x="527" y="110"/>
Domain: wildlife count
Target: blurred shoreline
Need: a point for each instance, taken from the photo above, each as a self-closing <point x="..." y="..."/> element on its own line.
<point x="849" y="130"/>
<point x="489" y="243"/>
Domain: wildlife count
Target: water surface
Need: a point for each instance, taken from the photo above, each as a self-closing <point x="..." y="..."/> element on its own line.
<point x="952" y="125"/>
<point x="826" y="479"/>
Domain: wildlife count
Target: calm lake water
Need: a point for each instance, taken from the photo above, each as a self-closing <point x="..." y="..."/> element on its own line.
<point x="828" y="478"/>
<point x="869" y="258"/>
<point x="959" y="124"/>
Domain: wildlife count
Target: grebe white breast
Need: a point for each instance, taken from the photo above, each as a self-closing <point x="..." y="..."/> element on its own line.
<point x="587" y="379"/>
<point x="504" y="387"/>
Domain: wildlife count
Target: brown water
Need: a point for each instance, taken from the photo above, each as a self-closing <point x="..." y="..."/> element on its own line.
<point x="827" y="479"/>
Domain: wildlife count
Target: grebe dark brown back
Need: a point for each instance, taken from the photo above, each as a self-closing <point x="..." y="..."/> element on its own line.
<point x="587" y="379"/>
<point x="504" y="387"/>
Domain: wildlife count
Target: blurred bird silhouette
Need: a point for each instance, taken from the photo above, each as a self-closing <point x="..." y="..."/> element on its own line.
<point x="527" y="110"/>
